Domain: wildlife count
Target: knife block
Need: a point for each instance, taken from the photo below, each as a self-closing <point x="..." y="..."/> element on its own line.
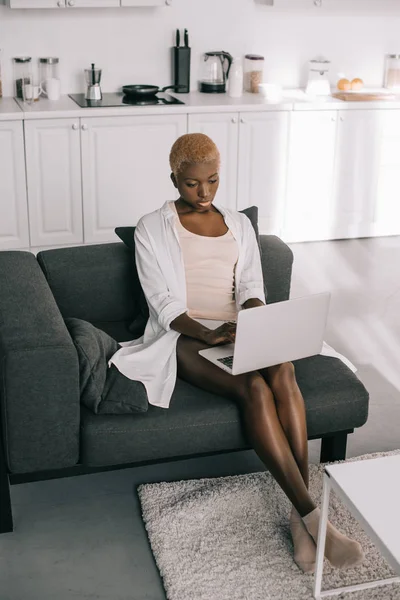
<point x="181" y="68"/>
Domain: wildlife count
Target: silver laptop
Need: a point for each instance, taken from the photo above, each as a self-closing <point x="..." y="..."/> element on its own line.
<point x="273" y="334"/>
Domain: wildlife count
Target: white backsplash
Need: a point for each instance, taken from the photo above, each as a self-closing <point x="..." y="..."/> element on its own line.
<point x="133" y="45"/>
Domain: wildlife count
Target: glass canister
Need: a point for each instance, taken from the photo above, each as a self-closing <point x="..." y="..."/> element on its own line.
<point x="392" y="71"/>
<point x="253" y="72"/>
<point x="22" y="76"/>
<point x="49" y="78"/>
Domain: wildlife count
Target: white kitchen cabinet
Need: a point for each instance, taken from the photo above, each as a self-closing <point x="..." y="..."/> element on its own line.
<point x="145" y="2"/>
<point x="263" y="138"/>
<point x="223" y="129"/>
<point x="386" y="218"/>
<point x="125" y="169"/>
<point x="63" y="3"/>
<point x="53" y="166"/>
<point x="311" y="163"/>
<point x="357" y="172"/>
<point x="14" y="232"/>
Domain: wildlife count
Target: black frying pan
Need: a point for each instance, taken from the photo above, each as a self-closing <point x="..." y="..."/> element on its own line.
<point x="146" y="91"/>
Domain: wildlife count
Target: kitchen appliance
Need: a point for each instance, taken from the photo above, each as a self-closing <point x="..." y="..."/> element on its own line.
<point x="253" y="72"/>
<point x="48" y="76"/>
<point x="318" y="80"/>
<point x="181" y="63"/>
<point x="117" y="99"/>
<point x="93" y="77"/>
<point x="392" y="72"/>
<point x="215" y="71"/>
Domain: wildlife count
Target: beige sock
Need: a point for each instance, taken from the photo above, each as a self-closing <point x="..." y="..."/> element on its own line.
<point x="341" y="551"/>
<point x="304" y="546"/>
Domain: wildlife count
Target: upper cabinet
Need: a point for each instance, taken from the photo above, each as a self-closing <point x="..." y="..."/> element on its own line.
<point x="83" y="3"/>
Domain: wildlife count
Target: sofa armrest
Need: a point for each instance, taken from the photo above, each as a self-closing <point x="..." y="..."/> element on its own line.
<point x="39" y="372"/>
<point x="277" y="261"/>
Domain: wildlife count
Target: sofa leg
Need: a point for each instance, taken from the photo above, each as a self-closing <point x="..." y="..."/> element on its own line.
<point x="6" y="520"/>
<point x="334" y="447"/>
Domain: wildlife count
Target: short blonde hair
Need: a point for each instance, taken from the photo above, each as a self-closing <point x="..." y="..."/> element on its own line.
<point x="190" y="149"/>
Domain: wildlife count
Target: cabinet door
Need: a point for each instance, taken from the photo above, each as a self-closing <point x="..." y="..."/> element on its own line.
<point x="144" y="2"/>
<point x="125" y="170"/>
<point x="308" y="207"/>
<point x="387" y="202"/>
<point x="92" y="3"/>
<point x="356" y="172"/>
<point x="262" y="166"/>
<point x="54" y="181"/>
<point x="13" y="204"/>
<point x="223" y="129"/>
<point x="37" y="3"/>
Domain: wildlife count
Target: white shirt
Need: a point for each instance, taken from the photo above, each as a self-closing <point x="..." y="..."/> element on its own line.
<point x="151" y="359"/>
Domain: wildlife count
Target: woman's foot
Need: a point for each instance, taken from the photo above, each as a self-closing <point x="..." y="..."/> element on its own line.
<point x="341" y="551"/>
<point x="304" y="546"/>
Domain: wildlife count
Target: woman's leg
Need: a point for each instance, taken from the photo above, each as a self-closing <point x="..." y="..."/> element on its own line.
<point x="258" y="409"/>
<point x="291" y="411"/>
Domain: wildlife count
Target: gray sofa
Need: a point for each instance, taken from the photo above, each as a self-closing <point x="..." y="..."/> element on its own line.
<point x="47" y="433"/>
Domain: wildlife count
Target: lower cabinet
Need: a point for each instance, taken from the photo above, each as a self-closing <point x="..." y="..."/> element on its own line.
<point x="253" y="149"/>
<point x="223" y="129"/>
<point x="14" y="231"/>
<point x="53" y="167"/>
<point x="125" y="169"/>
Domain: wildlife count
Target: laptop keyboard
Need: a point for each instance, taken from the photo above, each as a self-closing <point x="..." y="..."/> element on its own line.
<point x="227" y="361"/>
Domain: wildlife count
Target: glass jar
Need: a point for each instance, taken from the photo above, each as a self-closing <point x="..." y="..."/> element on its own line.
<point x="392" y="71"/>
<point x="253" y="72"/>
<point x="22" y="76"/>
<point x="48" y="68"/>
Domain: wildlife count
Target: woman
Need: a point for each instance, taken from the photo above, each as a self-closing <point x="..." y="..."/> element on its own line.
<point x="198" y="264"/>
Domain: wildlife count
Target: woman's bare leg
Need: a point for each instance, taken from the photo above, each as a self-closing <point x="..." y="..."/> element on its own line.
<point x="291" y="411"/>
<point x="261" y="421"/>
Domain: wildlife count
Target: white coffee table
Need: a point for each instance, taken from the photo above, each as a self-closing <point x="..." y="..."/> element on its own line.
<point x="371" y="491"/>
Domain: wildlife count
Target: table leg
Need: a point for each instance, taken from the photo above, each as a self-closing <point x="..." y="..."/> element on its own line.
<point x="322" y="537"/>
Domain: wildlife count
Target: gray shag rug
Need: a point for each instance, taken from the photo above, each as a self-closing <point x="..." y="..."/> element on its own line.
<point x="228" y="538"/>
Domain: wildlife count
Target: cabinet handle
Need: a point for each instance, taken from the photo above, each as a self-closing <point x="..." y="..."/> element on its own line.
<point x="84" y="127"/>
<point x="342" y="118"/>
<point x="60" y="4"/>
<point x="234" y="120"/>
<point x="243" y="120"/>
<point x="75" y="126"/>
<point x="333" y="119"/>
<point x="71" y="2"/>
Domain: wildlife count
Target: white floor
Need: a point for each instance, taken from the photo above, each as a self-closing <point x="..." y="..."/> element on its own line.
<point x="83" y="538"/>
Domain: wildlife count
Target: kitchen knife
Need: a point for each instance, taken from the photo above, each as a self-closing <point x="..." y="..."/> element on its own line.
<point x="178" y="38"/>
<point x="186" y="36"/>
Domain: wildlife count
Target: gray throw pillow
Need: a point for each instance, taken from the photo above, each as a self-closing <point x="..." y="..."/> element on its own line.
<point x="126" y="234"/>
<point x="103" y="390"/>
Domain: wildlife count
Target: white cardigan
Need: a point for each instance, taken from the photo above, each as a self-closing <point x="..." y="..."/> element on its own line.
<point x="151" y="359"/>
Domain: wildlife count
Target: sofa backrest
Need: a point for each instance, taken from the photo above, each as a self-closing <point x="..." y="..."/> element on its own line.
<point x="99" y="283"/>
<point x="94" y="283"/>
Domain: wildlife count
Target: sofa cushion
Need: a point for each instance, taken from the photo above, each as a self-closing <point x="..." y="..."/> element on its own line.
<point x="201" y="422"/>
<point x="103" y="390"/>
<point x="126" y="234"/>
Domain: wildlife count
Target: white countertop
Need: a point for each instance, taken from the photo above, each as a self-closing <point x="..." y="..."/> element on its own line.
<point x="195" y="102"/>
<point x="9" y="110"/>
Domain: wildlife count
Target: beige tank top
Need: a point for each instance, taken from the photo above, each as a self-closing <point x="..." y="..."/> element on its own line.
<point x="209" y="268"/>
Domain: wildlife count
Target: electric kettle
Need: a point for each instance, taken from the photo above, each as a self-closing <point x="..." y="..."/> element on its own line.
<point x="214" y="72"/>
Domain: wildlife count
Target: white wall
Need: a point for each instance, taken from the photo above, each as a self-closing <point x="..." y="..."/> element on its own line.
<point x="132" y="45"/>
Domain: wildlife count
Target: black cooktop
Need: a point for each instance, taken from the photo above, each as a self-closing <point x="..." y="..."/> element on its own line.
<point x="111" y="99"/>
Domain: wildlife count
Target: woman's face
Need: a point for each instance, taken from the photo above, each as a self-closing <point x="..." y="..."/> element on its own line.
<point x="198" y="184"/>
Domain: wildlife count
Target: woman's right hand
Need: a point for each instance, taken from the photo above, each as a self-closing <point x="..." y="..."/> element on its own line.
<point x="224" y="334"/>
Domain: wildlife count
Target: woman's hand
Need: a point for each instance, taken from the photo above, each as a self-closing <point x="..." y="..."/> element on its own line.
<point x="224" y="334"/>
